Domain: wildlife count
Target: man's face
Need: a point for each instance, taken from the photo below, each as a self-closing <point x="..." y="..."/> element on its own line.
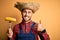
<point x="27" y="14"/>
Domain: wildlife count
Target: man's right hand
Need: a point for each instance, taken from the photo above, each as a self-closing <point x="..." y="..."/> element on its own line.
<point x="10" y="33"/>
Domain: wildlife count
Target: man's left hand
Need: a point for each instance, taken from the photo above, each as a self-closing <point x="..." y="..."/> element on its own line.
<point x="40" y="26"/>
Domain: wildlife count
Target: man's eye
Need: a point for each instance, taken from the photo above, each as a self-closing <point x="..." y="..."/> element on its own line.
<point x="29" y="12"/>
<point x="24" y="11"/>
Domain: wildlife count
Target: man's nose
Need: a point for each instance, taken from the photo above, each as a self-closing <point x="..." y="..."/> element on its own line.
<point x="26" y="13"/>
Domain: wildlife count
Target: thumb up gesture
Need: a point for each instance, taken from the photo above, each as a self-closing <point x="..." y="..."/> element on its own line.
<point x="40" y="26"/>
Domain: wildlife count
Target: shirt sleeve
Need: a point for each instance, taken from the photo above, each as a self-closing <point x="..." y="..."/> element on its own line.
<point x="43" y="36"/>
<point x="15" y="32"/>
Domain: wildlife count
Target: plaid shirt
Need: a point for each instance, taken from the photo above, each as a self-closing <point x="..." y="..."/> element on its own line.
<point x="16" y="30"/>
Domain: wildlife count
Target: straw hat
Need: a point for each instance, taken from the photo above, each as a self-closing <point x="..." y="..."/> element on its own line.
<point x="21" y="5"/>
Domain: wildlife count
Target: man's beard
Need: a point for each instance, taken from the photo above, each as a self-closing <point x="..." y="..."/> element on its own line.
<point x="29" y="18"/>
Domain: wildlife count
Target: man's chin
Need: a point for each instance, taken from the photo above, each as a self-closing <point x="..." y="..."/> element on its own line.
<point x="27" y="20"/>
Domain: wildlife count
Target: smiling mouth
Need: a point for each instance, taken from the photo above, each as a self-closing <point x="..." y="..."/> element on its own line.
<point x="26" y="18"/>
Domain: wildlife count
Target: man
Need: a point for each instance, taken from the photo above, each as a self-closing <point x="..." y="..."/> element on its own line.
<point x="27" y="29"/>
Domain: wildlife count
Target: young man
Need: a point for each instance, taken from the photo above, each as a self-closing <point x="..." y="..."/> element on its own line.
<point x="27" y="29"/>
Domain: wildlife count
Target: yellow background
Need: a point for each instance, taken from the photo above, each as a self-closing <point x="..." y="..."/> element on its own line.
<point x="48" y="13"/>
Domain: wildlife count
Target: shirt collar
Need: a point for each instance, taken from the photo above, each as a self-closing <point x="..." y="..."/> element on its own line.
<point x="30" y="22"/>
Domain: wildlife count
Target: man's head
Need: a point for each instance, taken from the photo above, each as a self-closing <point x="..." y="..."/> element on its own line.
<point x="26" y="14"/>
<point x="27" y="9"/>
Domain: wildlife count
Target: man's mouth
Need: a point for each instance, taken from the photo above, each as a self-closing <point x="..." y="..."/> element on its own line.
<point x="26" y="17"/>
